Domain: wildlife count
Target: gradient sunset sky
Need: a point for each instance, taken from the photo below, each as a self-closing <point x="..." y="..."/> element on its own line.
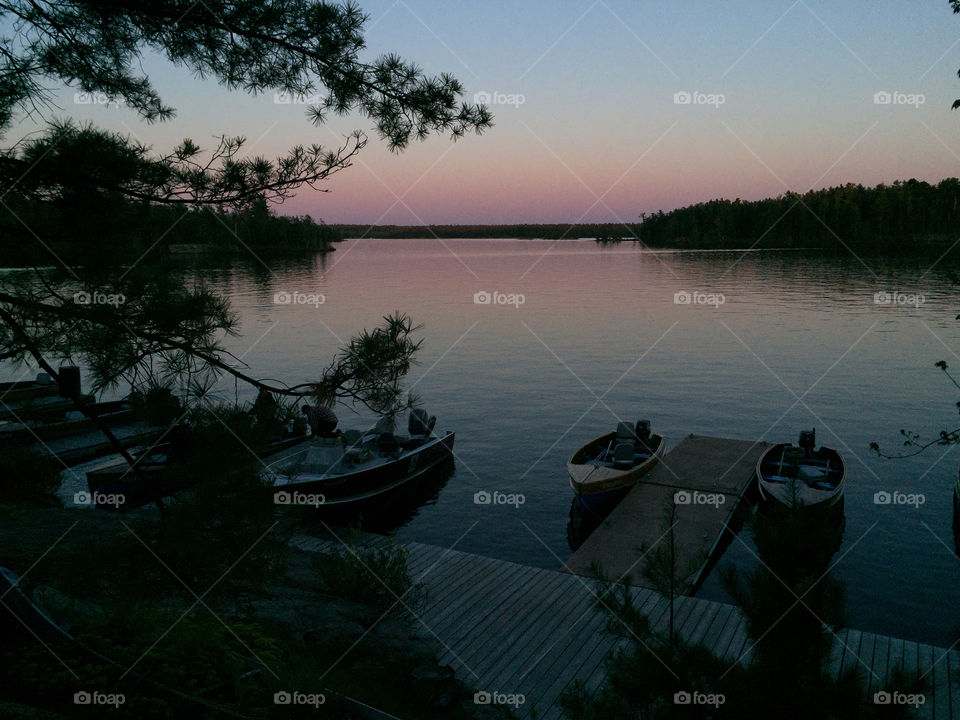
<point x="598" y="136"/>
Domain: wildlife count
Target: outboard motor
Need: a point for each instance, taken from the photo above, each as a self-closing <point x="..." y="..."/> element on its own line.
<point x="808" y="441"/>
<point x="417" y="424"/>
<point x="643" y="431"/>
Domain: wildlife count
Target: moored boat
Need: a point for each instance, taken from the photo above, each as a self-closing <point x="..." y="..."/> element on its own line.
<point x="801" y="474"/>
<point x="20" y="390"/>
<point x="68" y="422"/>
<point x="156" y="476"/>
<point x="602" y="471"/>
<point x="355" y="468"/>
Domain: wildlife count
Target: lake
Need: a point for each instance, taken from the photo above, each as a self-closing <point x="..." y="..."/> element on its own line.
<point x="531" y="348"/>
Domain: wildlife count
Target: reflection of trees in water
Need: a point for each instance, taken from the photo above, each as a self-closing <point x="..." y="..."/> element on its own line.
<point x="582" y="523"/>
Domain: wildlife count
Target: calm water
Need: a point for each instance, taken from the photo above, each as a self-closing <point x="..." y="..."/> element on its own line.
<point x="799" y="341"/>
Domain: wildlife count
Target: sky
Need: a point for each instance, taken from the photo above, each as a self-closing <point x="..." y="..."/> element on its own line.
<point x="606" y="109"/>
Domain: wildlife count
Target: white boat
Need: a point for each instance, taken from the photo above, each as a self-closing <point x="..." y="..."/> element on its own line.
<point x="341" y="472"/>
<point x="800" y="474"/>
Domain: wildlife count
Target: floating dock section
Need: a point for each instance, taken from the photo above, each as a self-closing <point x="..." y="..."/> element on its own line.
<point x="703" y="479"/>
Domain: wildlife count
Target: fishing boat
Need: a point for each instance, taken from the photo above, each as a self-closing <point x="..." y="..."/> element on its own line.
<point x="156" y="475"/>
<point x="800" y="474"/>
<point x="20" y="390"/>
<point x="150" y="482"/>
<point x="67" y="422"/>
<point x="602" y="471"/>
<point x="357" y="467"/>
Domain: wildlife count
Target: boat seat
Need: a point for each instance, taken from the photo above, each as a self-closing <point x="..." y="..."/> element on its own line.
<point x="322" y="456"/>
<point x="623" y="454"/>
<point x="625" y="431"/>
<point x="387" y="443"/>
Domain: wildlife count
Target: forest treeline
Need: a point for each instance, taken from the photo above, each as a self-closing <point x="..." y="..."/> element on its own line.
<point x="549" y="231"/>
<point x="904" y="216"/>
<point x="133" y="228"/>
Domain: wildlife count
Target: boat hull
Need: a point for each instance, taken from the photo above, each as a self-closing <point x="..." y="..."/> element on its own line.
<point x="154" y="480"/>
<point x="364" y="484"/>
<point x="783" y="493"/>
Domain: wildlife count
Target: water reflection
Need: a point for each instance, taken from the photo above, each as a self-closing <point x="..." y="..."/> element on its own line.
<point x="798" y="541"/>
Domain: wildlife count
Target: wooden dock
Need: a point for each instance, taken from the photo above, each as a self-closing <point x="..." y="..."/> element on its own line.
<point x="515" y="629"/>
<point x="704" y="478"/>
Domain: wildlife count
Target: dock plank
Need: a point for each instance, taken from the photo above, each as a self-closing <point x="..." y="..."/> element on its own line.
<point x="878" y="679"/>
<point x="925" y="656"/>
<point x="725" y="615"/>
<point x="836" y="653"/>
<point x="941" y="685"/>
<point x="954" y="682"/>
